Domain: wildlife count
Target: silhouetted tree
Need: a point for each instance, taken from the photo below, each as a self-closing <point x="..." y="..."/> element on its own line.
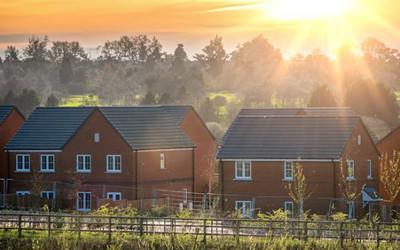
<point x="52" y="101"/>
<point x="207" y="111"/>
<point x="9" y="98"/>
<point x="165" y="99"/>
<point x="62" y="49"/>
<point x="66" y="73"/>
<point x="213" y="56"/>
<point x="180" y="57"/>
<point x="149" y="99"/>
<point x="27" y="101"/>
<point x="322" y="97"/>
<point x="36" y="50"/>
<point x="11" y="54"/>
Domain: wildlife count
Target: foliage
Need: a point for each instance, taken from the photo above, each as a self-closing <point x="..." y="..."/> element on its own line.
<point x="321" y="96"/>
<point x="339" y="216"/>
<point x="349" y="187"/>
<point x="52" y="101"/>
<point x="390" y="174"/>
<point x="213" y="56"/>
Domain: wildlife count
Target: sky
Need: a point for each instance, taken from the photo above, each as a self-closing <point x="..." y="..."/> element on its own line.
<point x="294" y="26"/>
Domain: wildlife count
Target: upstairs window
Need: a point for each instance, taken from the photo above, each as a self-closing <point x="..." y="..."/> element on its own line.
<point x="359" y="139"/>
<point x="162" y="161"/>
<point x="350" y="169"/>
<point x="96" y="137"/>
<point x="243" y="170"/>
<point x="369" y="169"/>
<point x="23" y="163"/>
<point x="83" y="163"/>
<point x="47" y="163"/>
<point x="115" y="196"/>
<point x="288" y="170"/>
<point x="50" y="195"/>
<point x="114" y="163"/>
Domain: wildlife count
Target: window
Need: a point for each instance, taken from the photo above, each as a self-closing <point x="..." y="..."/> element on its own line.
<point x="243" y="170"/>
<point x="83" y="163"/>
<point x="351" y="209"/>
<point x="350" y="169"/>
<point x="23" y="163"/>
<point x="22" y="193"/>
<point x="96" y="137"/>
<point x="115" y="196"/>
<point x="244" y="208"/>
<point x="359" y="139"/>
<point x="50" y="195"/>
<point x="369" y="166"/>
<point x="288" y="170"/>
<point x="288" y="206"/>
<point x="113" y="163"/>
<point x="47" y="163"/>
<point x="83" y="202"/>
<point x="162" y="161"/>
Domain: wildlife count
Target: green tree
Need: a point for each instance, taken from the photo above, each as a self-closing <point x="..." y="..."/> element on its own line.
<point x="11" y="54"/>
<point x="322" y="97"/>
<point x="36" y="50"/>
<point x="390" y="176"/>
<point x="52" y="101"/>
<point x="213" y="56"/>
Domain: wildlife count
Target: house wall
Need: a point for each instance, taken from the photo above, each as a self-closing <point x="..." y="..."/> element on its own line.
<point x="204" y="152"/>
<point x="267" y="184"/>
<point x="8" y="128"/>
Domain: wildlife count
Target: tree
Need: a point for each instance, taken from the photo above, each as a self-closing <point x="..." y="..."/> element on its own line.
<point x="10" y="98"/>
<point x="213" y="56"/>
<point x="390" y="176"/>
<point x="149" y="99"/>
<point x="36" y="50"/>
<point x="322" y="97"/>
<point x="27" y="101"/>
<point x="66" y="73"/>
<point x="180" y="57"/>
<point x="11" y="54"/>
<point x="165" y="99"/>
<point x="298" y="189"/>
<point x="63" y="49"/>
<point x="52" y="101"/>
<point x="208" y="111"/>
<point x="154" y="52"/>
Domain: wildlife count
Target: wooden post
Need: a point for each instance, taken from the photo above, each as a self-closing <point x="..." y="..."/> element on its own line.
<point x="79" y="226"/>
<point x="109" y="228"/>
<point x="305" y="231"/>
<point x="48" y="225"/>
<point x="141" y="225"/>
<point x="19" y="225"/>
<point x="377" y="235"/>
<point x="341" y="235"/>
<point x="205" y="231"/>
<point x="237" y="231"/>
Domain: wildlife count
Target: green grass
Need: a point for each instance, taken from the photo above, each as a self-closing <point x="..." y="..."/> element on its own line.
<point x="229" y="96"/>
<point x="80" y="100"/>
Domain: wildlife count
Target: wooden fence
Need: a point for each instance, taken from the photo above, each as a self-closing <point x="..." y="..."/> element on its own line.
<point x="51" y="224"/>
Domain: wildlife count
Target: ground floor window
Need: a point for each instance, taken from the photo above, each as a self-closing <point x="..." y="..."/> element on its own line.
<point x="50" y="195"/>
<point x="351" y="209"/>
<point x="244" y="208"/>
<point x="22" y="193"/>
<point x="83" y="202"/>
<point x="115" y="196"/>
<point x="288" y="206"/>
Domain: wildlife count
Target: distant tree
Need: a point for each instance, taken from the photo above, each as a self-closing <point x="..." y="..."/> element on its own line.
<point x="63" y="49"/>
<point x="208" y="111"/>
<point x="165" y="99"/>
<point x="154" y="52"/>
<point x="179" y="59"/>
<point x="1" y="60"/>
<point x="66" y="72"/>
<point x="213" y="56"/>
<point x="9" y="98"/>
<point x="390" y="176"/>
<point x="36" y="50"/>
<point x="52" y="101"/>
<point x="149" y="99"/>
<point x="27" y="101"/>
<point x="381" y="102"/>
<point x="11" y="54"/>
<point x="322" y="97"/>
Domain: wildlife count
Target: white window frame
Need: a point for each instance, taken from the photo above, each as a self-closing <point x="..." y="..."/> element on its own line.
<point x="351" y="209"/>
<point x="96" y="138"/>
<point x="84" y="201"/>
<point x="23" y="167"/>
<point x="113" y="195"/>
<point x="45" y="195"/>
<point x="288" y="166"/>
<point x="242" y="174"/>
<point x="242" y="205"/>
<point x="359" y="139"/>
<point x="351" y="164"/>
<point x="47" y="163"/>
<point x="162" y="161"/>
<point x="288" y="206"/>
<point x="369" y="169"/>
<point x="84" y="170"/>
<point x="112" y="169"/>
<point x="22" y="192"/>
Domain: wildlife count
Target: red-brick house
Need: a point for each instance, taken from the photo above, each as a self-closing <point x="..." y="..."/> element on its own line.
<point x="88" y="153"/>
<point x="10" y="121"/>
<point x="386" y="146"/>
<point x="259" y="151"/>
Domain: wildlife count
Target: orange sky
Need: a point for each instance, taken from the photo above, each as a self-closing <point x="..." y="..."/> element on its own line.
<point x="190" y="22"/>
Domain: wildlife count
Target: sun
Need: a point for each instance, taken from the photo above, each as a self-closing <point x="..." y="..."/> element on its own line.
<point x="287" y="10"/>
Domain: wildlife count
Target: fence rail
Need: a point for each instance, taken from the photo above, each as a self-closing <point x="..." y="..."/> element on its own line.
<point x="109" y="225"/>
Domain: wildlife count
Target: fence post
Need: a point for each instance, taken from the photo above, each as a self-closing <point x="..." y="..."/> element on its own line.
<point x="48" y="225"/>
<point x="305" y="231"/>
<point x="141" y="225"/>
<point x="237" y="231"/>
<point x="377" y="234"/>
<point x="341" y="235"/>
<point x="109" y="228"/>
<point x="19" y="225"/>
<point x="79" y="226"/>
<point x="205" y="231"/>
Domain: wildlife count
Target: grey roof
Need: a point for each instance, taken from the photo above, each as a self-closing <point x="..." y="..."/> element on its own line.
<point x="142" y="127"/>
<point x="5" y="110"/>
<point x="49" y="128"/>
<point x="286" y="136"/>
<point x="317" y="111"/>
<point x="150" y="127"/>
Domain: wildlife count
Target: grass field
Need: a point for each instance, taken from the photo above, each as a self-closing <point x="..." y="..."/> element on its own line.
<point x="80" y="100"/>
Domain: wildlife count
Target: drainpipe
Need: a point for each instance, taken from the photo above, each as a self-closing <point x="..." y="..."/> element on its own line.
<point x="222" y="184"/>
<point x="137" y="174"/>
<point x="193" y="172"/>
